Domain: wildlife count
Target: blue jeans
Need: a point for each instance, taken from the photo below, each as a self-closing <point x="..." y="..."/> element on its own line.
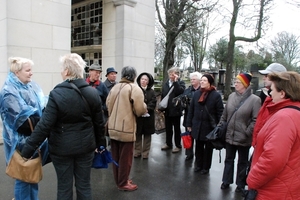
<point x="77" y="166"/>
<point x="26" y="191"/>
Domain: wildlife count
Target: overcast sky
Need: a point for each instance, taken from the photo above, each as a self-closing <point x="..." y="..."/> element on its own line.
<point x="284" y="17"/>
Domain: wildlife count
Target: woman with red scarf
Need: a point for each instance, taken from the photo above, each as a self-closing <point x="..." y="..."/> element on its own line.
<point x="199" y="123"/>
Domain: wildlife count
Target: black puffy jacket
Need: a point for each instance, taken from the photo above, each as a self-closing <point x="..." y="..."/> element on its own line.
<point x="71" y="128"/>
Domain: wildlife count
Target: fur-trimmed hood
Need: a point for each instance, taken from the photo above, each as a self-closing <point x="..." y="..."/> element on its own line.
<point x="150" y="77"/>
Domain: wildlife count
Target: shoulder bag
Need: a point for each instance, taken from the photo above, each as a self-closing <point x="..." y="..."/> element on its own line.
<point x="218" y="134"/>
<point x="29" y="171"/>
<point x="164" y="102"/>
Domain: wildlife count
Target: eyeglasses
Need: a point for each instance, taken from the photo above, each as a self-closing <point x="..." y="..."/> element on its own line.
<point x="237" y="82"/>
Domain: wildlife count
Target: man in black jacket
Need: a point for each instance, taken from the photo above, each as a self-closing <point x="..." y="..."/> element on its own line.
<point x="173" y="111"/>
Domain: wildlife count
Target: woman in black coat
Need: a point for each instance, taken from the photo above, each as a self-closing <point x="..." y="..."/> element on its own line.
<point x="206" y="102"/>
<point x="74" y="125"/>
<point x="145" y="123"/>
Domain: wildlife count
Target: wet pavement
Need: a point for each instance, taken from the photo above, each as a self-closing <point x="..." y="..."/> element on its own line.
<point x="163" y="176"/>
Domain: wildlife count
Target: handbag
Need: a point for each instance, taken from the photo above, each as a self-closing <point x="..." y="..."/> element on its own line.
<point x="163" y="104"/>
<point x="29" y="171"/>
<point x="159" y="118"/>
<point x="186" y="139"/>
<point x="218" y="135"/>
<point x="217" y="141"/>
<point x="102" y="158"/>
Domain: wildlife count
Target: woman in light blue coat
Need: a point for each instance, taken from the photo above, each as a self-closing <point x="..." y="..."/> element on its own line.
<point x="21" y="99"/>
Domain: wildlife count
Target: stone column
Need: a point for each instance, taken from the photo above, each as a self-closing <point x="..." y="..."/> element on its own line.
<point x="38" y="30"/>
<point x="128" y="35"/>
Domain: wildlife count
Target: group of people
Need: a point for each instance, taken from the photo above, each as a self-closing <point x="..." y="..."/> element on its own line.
<point x="268" y="122"/>
<point x="69" y="137"/>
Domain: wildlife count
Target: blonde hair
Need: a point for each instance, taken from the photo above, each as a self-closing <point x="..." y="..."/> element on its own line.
<point x="16" y="63"/>
<point x="75" y="65"/>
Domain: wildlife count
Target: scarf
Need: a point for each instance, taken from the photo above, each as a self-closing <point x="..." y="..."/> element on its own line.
<point x="93" y="84"/>
<point x="205" y="92"/>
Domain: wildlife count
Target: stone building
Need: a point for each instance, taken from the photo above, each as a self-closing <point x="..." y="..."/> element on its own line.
<point x="111" y="32"/>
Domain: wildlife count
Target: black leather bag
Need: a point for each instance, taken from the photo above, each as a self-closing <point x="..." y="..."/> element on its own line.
<point x="217" y="137"/>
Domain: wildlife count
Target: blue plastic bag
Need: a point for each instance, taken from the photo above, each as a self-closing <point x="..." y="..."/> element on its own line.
<point x="102" y="158"/>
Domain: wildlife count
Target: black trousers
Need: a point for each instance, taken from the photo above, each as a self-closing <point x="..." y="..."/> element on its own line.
<point x="243" y="154"/>
<point x="69" y="168"/>
<point x="203" y="153"/>
<point x="170" y="123"/>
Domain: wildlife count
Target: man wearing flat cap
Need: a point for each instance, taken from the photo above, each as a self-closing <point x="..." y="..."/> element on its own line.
<point x="111" y="76"/>
<point x="94" y="81"/>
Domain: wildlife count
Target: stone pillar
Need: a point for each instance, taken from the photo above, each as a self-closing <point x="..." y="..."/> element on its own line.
<point x="39" y="30"/>
<point x="128" y="35"/>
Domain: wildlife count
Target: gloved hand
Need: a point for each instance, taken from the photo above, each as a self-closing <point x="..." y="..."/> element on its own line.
<point x="100" y="149"/>
<point x="250" y="194"/>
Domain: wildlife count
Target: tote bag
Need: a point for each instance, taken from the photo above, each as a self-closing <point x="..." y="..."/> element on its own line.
<point x="164" y="102"/>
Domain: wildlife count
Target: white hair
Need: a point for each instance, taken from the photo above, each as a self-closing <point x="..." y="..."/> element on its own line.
<point x="74" y="63"/>
<point x="198" y="75"/>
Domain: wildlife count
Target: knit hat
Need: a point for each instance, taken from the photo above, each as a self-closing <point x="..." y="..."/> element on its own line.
<point x="245" y="78"/>
<point x="210" y="78"/>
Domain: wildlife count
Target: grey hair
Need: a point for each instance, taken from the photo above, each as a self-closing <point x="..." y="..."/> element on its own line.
<point x="175" y="70"/>
<point x="129" y="73"/>
<point x="198" y="75"/>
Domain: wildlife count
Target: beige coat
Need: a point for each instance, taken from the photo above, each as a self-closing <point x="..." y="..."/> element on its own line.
<point x="124" y="102"/>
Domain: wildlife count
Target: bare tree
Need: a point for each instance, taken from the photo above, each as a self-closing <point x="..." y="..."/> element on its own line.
<point x="195" y="39"/>
<point x="177" y="17"/>
<point x="160" y="40"/>
<point x="257" y="18"/>
<point x="294" y="3"/>
<point x="286" y="46"/>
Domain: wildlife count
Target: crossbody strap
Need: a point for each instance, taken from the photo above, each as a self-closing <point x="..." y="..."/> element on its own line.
<point x="79" y="92"/>
<point x="241" y="103"/>
<point x="210" y="117"/>
<point x="294" y="107"/>
<point x="30" y="124"/>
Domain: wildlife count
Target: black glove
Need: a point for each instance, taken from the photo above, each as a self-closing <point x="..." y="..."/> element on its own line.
<point x="250" y="194"/>
<point x="25" y="129"/>
<point x="102" y="142"/>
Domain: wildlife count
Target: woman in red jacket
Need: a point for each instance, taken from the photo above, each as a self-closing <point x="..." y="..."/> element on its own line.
<point x="275" y="168"/>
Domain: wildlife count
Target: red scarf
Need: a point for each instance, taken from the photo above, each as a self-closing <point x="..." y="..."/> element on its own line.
<point x="93" y="84"/>
<point x="205" y="92"/>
